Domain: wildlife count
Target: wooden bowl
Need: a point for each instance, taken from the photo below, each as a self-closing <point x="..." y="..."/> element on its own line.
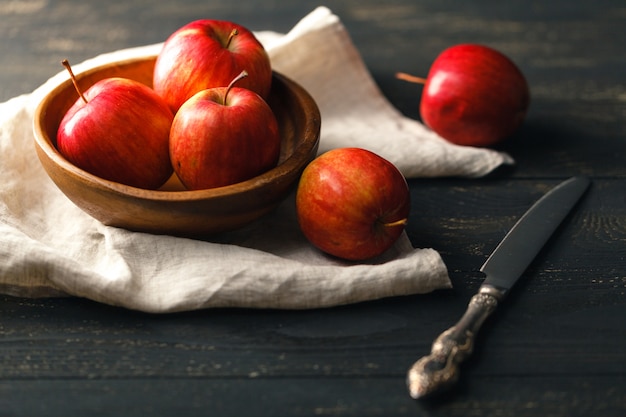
<point x="172" y="210"/>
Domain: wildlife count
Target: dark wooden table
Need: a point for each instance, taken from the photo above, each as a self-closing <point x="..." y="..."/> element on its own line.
<point x="557" y="347"/>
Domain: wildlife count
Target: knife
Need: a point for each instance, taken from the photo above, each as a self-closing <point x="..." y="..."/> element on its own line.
<point x="440" y="369"/>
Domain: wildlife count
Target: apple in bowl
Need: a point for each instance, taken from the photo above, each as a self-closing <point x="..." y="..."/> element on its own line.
<point x="118" y="129"/>
<point x="222" y="136"/>
<point x="210" y="53"/>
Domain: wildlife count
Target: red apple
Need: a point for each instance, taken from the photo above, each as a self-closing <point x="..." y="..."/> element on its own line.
<point x="118" y="130"/>
<point x="474" y="95"/>
<point x="210" y="53"/>
<point x="352" y="203"/>
<point x="222" y="136"/>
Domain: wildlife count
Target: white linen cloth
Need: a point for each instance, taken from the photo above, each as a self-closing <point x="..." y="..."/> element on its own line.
<point x="49" y="247"/>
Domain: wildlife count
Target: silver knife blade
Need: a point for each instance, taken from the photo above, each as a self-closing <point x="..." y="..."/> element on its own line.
<point x="526" y="238"/>
<point x="440" y="369"/>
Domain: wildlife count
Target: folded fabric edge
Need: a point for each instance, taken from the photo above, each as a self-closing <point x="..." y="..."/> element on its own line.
<point x="425" y="274"/>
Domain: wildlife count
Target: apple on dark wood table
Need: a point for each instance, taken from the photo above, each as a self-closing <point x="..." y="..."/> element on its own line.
<point x="352" y="203"/>
<point x="210" y="53"/>
<point x="473" y="95"/>
<point x="223" y="135"/>
<point x="118" y="130"/>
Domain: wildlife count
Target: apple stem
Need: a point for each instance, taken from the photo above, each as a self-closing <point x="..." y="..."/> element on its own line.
<point x="233" y="33"/>
<point x="400" y="222"/>
<point x="410" y="78"/>
<point x="67" y="65"/>
<point x="242" y="74"/>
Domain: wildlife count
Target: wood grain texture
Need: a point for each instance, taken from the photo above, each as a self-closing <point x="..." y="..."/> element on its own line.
<point x="307" y="397"/>
<point x="556" y="347"/>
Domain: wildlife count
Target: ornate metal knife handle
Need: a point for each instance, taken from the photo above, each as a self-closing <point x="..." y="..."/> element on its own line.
<point x="440" y="369"/>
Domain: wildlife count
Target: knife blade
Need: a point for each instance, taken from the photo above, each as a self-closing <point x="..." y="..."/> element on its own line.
<point x="440" y="369"/>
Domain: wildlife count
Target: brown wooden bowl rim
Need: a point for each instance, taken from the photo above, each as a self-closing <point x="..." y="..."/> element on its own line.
<point x="284" y="169"/>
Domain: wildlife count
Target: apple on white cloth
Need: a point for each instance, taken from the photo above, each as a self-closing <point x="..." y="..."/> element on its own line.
<point x="49" y="247"/>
